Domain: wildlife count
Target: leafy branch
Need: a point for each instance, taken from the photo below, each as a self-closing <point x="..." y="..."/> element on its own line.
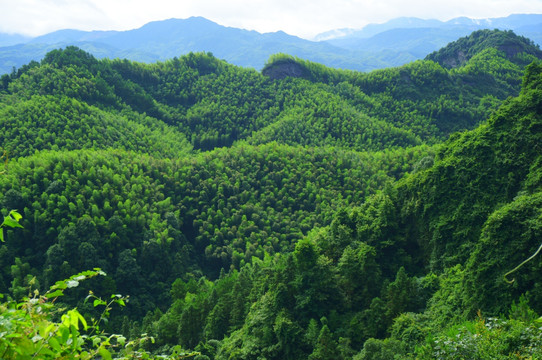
<point x="12" y="221"/>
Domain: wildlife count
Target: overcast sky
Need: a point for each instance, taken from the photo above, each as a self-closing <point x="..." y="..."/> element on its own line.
<point x="304" y="18"/>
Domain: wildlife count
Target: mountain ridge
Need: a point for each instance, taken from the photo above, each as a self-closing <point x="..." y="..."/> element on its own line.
<point x="509" y="23"/>
<point x="458" y="52"/>
<point x="323" y="214"/>
<point x="388" y="44"/>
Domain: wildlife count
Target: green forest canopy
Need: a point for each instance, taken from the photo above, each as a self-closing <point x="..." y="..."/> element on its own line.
<point x="252" y="215"/>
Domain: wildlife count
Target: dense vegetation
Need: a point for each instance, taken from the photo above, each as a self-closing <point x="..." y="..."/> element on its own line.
<point x="428" y="252"/>
<point x="460" y="51"/>
<point x="254" y="215"/>
<point x="215" y="104"/>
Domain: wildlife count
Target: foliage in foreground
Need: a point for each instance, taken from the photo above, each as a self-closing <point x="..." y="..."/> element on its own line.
<point x="512" y="337"/>
<point x="37" y="328"/>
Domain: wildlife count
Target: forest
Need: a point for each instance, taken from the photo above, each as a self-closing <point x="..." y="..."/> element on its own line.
<point x="195" y="209"/>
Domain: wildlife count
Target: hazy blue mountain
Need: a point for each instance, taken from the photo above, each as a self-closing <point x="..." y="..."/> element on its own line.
<point x="373" y="29"/>
<point x="162" y="40"/>
<point x="516" y="21"/>
<point x="393" y="43"/>
<point x="16" y="55"/>
<point x="68" y="35"/>
<point x="417" y="42"/>
<point x="532" y="32"/>
<point x="415" y="35"/>
<point x="12" y="39"/>
<point x="333" y="34"/>
<point x="512" y="22"/>
<point x="399" y="23"/>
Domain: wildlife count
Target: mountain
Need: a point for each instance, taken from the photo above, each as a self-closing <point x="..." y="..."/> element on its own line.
<point x="414" y="43"/>
<point x="300" y="212"/>
<point x="418" y="37"/>
<point x="425" y="269"/>
<point x="459" y="52"/>
<point x="511" y="22"/>
<point x="166" y="39"/>
<point x="332" y="34"/>
<point x="374" y="29"/>
<point x="394" y="43"/>
<point x="12" y="39"/>
<point x="394" y="107"/>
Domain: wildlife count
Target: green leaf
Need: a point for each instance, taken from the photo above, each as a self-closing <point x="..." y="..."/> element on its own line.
<point x="15" y="215"/>
<point x="36" y="338"/>
<point x="11" y="223"/>
<point x="72" y="283"/>
<point x="46" y="329"/>
<point x="60" y="285"/>
<point x="46" y="351"/>
<point x="95" y="341"/>
<point x="100" y="271"/>
<point x="64" y="333"/>
<point x="121" y="340"/>
<point x="81" y="318"/>
<point x="104" y="353"/>
<point x="1" y="235"/>
<point x="53" y="342"/>
<point x="55" y="293"/>
<point x="99" y="302"/>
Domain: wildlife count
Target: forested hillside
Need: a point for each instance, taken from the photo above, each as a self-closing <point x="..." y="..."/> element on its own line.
<point x="459" y="52"/>
<point x="215" y="104"/>
<point x="405" y="274"/>
<point x="298" y="213"/>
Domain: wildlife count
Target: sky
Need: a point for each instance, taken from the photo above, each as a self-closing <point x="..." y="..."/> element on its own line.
<point x="304" y="18"/>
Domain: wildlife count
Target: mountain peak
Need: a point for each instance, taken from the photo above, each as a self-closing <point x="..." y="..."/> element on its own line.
<point x="281" y="66"/>
<point x="457" y="53"/>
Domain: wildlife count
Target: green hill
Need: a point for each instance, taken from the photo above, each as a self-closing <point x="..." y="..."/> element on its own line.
<point x="227" y="206"/>
<point x="215" y="104"/>
<point x="511" y="45"/>
<point x="404" y="274"/>
<point x="299" y="213"/>
<point x="61" y="122"/>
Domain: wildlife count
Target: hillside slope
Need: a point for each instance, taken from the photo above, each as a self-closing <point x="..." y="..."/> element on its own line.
<point x="251" y="215"/>
<point x="404" y="273"/>
<point x="216" y="104"/>
<point x="459" y="52"/>
<point x="422" y="97"/>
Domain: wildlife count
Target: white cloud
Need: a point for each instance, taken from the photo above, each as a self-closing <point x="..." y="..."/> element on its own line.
<point x="301" y="17"/>
<point x="39" y="16"/>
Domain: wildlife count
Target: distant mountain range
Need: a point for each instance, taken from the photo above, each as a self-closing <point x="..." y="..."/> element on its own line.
<point x="419" y="37"/>
<point x="393" y="43"/>
<point x="526" y="24"/>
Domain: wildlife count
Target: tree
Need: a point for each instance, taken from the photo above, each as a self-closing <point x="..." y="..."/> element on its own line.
<point x="128" y="275"/>
<point x="326" y="347"/>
